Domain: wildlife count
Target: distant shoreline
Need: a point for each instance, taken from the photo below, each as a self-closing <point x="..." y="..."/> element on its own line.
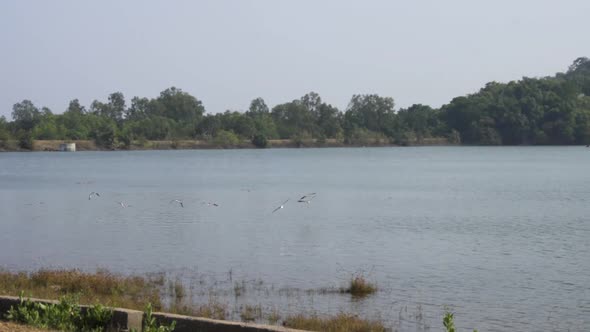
<point x="88" y="145"/>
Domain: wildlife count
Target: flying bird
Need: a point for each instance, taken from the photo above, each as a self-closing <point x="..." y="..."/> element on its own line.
<point x="177" y="201"/>
<point x="123" y="204"/>
<point x="93" y="194"/>
<point x="280" y="207"/>
<point x="306" y="198"/>
<point x="212" y="204"/>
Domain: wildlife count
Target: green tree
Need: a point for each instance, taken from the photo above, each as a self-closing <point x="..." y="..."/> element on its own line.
<point x="178" y="105"/>
<point x="371" y="112"/>
<point x="209" y="126"/>
<point x="104" y="133"/>
<point x="263" y="122"/>
<point x="75" y="121"/>
<point x="75" y="107"/>
<point x="25" y="114"/>
<point x="139" y="109"/>
<point x="579" y="74"/>
<point x="114" y="109"/>
<point x="4" y="131"/>
<point x="326" y="118"/>
<point x="422" y="120"/>
<point x="257" y="108"/>
<point x="293" y="120"/>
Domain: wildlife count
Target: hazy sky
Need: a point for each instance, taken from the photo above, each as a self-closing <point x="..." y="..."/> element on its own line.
<point x="228" y="52"/>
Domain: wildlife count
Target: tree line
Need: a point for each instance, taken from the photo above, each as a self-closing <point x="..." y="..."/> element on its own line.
<point x="547" y="110"/>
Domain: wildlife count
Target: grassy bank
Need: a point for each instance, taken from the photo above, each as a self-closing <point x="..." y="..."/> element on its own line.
<point x="103" y="289"/>
<point x="86" y="145"/>
<point x="137" y="292"/>
<point x="133" y="292"/>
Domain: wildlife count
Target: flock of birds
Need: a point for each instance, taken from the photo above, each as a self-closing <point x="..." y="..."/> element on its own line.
<point x="121" y="203"/>
<point x="304" y="199"/>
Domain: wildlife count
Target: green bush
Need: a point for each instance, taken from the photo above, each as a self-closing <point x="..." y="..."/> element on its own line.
<point x="449" y="322"/>
<point x="225" y="138"/>
<point x="105" y="135"/>
<point x="25" y="140"/>
<point x="95" y="318"/>
<point x="64" y="316"/>
<point x="359" y="287"/>
<point x="150" y="324"/>
<point x="260" y="141"/>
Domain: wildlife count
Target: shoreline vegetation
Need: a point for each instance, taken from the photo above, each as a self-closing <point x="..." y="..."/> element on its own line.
<point x="551" y="110"/>
<point x="102" y="291"/>
<point x="106" y="289"/>
<point x="140" y="145"/>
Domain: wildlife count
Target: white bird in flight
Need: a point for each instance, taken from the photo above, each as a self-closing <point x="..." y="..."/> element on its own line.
<point x="93" y="194"/>
<point x="280" y="207"/>
<point x="177" y="201"/>
<point x="123" y="204"/>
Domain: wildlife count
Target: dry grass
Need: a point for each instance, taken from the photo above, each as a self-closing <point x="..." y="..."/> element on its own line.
<point x="182" y="145"/>
<point x="339" y="323"/>
<point x="177" y="290"/>
<point x="360" y="287"/>
<point x="273" y="317"/>
<point x="102" y="286"/>
<point x="14" y="327"/>
<point x="213" y="310"/>
<point x="135" y="292"/>
<point x="250" y="313"/>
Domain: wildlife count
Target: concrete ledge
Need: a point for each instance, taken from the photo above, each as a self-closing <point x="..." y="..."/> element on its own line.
<point x="8" y="301"/>
<point x="191" y="324"/>
<point x="125" y="320"/>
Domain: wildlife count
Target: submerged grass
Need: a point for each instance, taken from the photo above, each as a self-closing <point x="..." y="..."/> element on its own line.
<point x="213" y="310"/>
<point x="339" y="323"/>
<point x="136" y="292"/>
<point x="360" y="287"/>
<point x="250" y="313"/>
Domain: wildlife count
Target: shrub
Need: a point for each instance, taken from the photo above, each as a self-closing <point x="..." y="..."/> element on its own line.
<point x="64" y="316"/>
<point x="125" y="138"/>
<point x="226" y="138"/>
<point x="105" y="135"/>
<point x="25" y="140"/>
<point x="449" y="322"/>
<point x="321" y="139"/>
<point x="260" y="141"/>
<point x="360" y="287"/>
<point x="150" y="324"/>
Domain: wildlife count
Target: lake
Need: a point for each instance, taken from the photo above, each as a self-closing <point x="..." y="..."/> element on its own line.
<point x="499" y="235"/>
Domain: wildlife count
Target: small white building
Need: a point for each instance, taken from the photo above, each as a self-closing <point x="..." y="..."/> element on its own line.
<point x="68" y="147"/>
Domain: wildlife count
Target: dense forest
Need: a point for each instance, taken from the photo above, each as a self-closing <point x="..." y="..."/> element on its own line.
<point x="548" y="110"/>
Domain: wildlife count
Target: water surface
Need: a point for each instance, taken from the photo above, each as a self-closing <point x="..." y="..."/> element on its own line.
<point x="500" y="235"/>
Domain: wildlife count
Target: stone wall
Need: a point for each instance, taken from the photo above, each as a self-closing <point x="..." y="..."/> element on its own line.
<point x="126" y="320"/>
